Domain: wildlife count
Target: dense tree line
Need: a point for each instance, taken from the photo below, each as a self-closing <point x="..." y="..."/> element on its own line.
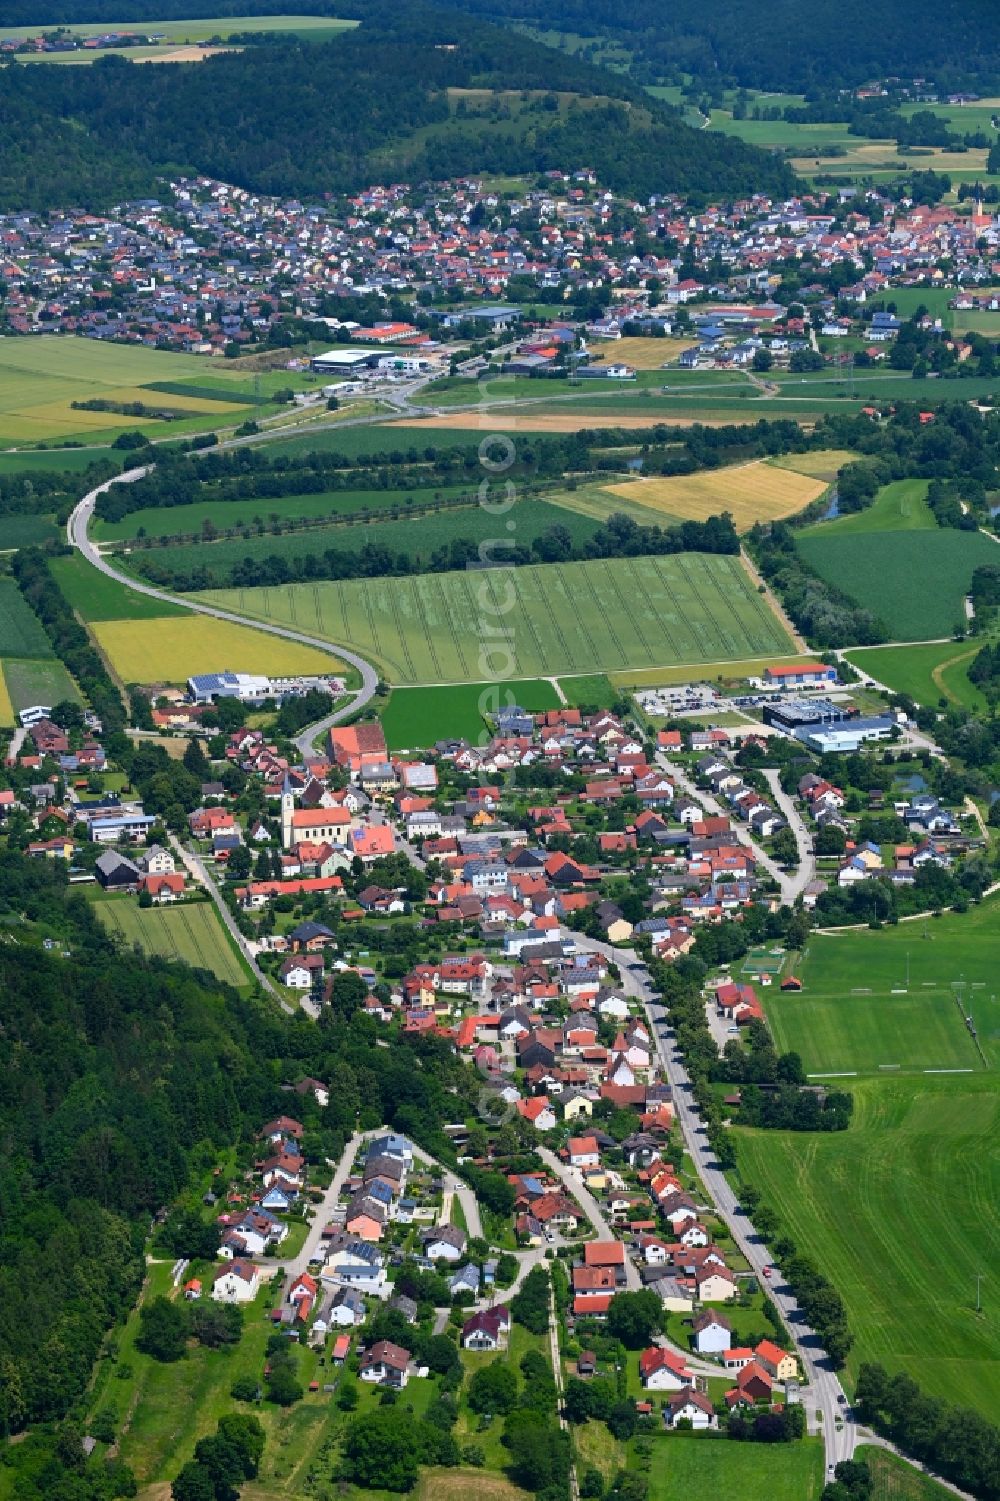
<point x="40" y="491"/>
<point x="819" y="1301"/>
<point x="618" y="537"/>
<point x="305" y="119"/>
<point x="245" y="475"/>
<point x="824" y="614"/>
<point x="69" y="639"/>
<point x="958" y="1443"/>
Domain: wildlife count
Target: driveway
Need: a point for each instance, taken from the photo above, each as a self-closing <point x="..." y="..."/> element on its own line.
<point x="312" y="1248"/>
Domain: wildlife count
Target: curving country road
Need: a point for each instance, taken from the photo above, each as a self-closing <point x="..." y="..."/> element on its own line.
<point x="76" y="533"/>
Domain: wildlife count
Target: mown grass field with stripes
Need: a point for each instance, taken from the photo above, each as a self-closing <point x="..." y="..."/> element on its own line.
<point x="190" y="933"/>
<point x="874" y="1000"/>
<point x="478" y="626"/>
<point x="901" y="1212"/>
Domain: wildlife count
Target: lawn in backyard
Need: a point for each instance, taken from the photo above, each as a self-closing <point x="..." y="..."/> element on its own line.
<point x="170" y="651"/>
<point x="902" y="1212"/>
<point x="749" y="492"/>
<point x="414" y="718"/>
<point x="927" y="673"/>
<point x="510" y="623"/>
<point x="915" y="581"/>
<point x="420" y="537"/>
<point x="36" y="681"/>
<point x="698" y="1468"/>
<point x="848" y="1016"/>
<point x="190" y="932"/>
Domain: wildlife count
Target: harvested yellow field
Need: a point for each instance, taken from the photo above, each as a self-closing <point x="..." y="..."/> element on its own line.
<point x="494" y="421"/>
<point x="823" y="463"/>
<point x="6" y="707"/>
<point x="170" y="650"/>
<point x="749" y="492"/>
<point x="707" y="672"/>
<point x="642" y="353"/>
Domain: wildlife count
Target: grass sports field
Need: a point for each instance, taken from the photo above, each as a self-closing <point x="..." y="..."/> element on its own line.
<point x="415" y="718"/>
<point x="561" y="618"/>
<point x="750" y="492"/>
<point x="689" y="1468"/>
<point x="154" y="651"/>
<point x="927" y="673"/>
<point x="901" y="1212"/>
<point x="914" y="581"/>
<point x="190" y="932"/>
<point x="847" y="1016"/>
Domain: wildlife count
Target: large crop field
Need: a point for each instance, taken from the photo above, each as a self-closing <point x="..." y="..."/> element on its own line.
<point x="420" y="537"/>
<point x="749" y="492"/>
<point x="41" y="377"/>
<point x="915" y="581"/>
<point x="902" y="1212"/>
<point x="189" y="932"/>
<point x="415" y="718"/>
<point x="691" y="1468"/>
<point x="927" y="673"/>
<point x="497" y="624"/>
<point x="170" y="651"/>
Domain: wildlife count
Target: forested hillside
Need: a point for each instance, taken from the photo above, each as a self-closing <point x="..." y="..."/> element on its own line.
<point x="373" y="104"/>
<point x="785" y="44"/>
<point x="121" y="1079"/>
<point x="770" y="44"/>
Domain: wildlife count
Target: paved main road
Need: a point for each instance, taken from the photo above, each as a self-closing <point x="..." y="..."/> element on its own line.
<point x="825" y="1394"/>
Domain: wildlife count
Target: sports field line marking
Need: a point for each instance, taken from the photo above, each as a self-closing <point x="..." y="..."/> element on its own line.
<point x="853" y="1074"/>
<point x="949" y="1071"/>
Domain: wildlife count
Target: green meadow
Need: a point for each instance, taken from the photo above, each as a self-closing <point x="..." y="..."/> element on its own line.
<point x="415" y="718"/>
<point x="929" y="674"/>
<point x="902" y="1212"/>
